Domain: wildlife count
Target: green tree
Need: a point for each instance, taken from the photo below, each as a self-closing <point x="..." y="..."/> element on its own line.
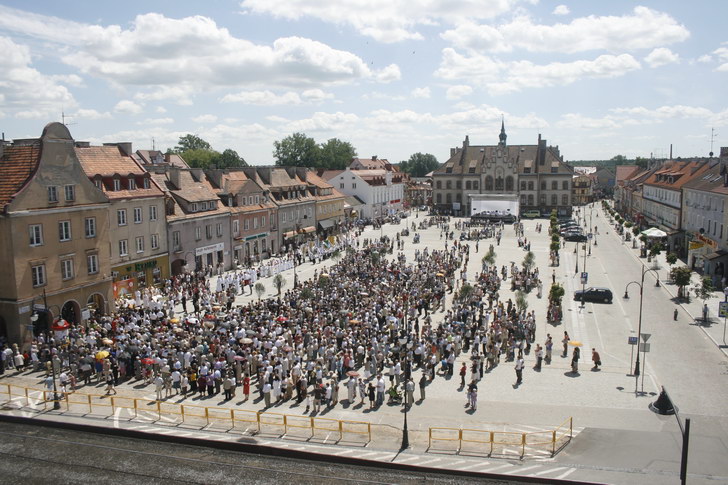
<point x="641" y="162"/>
<point x="619" y="159"/>
<point x="681" y="276"/>
<point x="465" y="291"/>
<point x="521" y="301"/>
<point x="419" y="164"/>
<point x="229" y="158"/>
<point x="278" y="282"/>
<point x="528" y="261"/>
<point x="704" y="290"/>
<point x="200" y="158"/>
<point x="191" y="142"/>
<point x="556" y="293"/>
<point x="336" y="154"/>
<point x="259" y="289"/>
<point x="296" y="150"/>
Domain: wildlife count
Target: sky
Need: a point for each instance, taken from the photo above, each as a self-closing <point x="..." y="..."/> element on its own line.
<point x="392" y="77"/>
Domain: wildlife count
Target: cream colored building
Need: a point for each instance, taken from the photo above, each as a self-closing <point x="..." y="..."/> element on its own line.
<point x="54" y="227"/>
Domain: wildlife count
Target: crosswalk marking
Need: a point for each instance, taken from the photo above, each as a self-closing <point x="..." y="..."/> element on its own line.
<point x="521" y="470"/>
<point x="566" y="474"/>
<point x="551" y="470"/>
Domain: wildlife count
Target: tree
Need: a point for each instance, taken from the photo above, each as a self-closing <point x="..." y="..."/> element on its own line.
<point x="619" y="159"/>
<point x="200" y="158"/>
<point x="259" y="289"/>
<point x="641" y="162"/>
<point x="489" y="258"/>
<point x="521" y="301"/>
<point x="671" y="259"/>
<point x="556" y="293"/>
<point x="419" y="164"/>
<point x="278" y="282"/>
<point x="528" y="261"/>
<point x="229" y="158"/>
<point x="296" y="150"/>
<point x="191" y="142"/>
<point x="465" y="291"/>
<point x="336" y="154"/>
<point x="704" y="290"/>
<point x="681" y="277"/>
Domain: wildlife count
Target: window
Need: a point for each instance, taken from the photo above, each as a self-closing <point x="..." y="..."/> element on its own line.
<point x="121" y="217"/>
<point x="193" y="207"/>
<point x="341" y="186"/>
<point x="36" y="234"/>
<point x="175" y="241"/>
<point x="92" y="262"/>
<point x="448" y="198"/>
<point x="132" y="183"/>
<point x="554" y="185"/>
<point x="565" y="185"/>
<point x="155" y="241"/>
<point x="152" y="212"/>
<point x="90" y="226"/>
<point x="554" y="199"/>
<point x="543" y="185"/>
<point x="203" y="206"/>
<point x="523" y="185"/>
<point x="208" y="231"/>
<point x="117" y="185"/>
<point x="67" y="269"/>
<point x="70" y="192"/>
<point x="146" y="183"/>
<point x="52" y="193"/>
<point x="530" y="185"/>
<point x="219" y="229"/>
<point x="353" y="185"/>
<point x="236" y="228"/>
<point x="255" y="223"/>
<point x="64" y="231"/>
<point x="198" y="233"/>
<point x="565" y="199"/>
<point x="97" y="183"/>
<point x="475" y="185"/>
<point x="448" y="184"/>
<point x="458" y="184"/>
<point x="283" y="217"/>
<point x="123" y="247"/>
<point x="262" y="221"/>
<point x="257" y="199"/>
<point x="140" y="244"/>
<point x="467" y="185"/>
<point x="38" y="275"/>
<point x="438" y="184"/>
<point x="246" y="222"/>
<point x="137" y="215"/>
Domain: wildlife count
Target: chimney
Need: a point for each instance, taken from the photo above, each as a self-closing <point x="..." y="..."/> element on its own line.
<point x="302" y="173"/>
<point x="453" y="151"/>
<point x="197" y="174"/>
<point x="173" y="174"/>
<point x="670" y="151"/>
<point x="124" y="147"/>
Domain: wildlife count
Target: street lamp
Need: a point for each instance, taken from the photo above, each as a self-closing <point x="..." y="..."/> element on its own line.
<point x="405" y="343"/>
<point x="56" y="402"/>
<point x="641" y="284"/>
<point x="583" y="280"/>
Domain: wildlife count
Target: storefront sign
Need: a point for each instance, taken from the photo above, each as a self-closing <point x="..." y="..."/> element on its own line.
<point x="708" y="241"/>
<point x="144" y="266"/>
<point x="209" y="249"/>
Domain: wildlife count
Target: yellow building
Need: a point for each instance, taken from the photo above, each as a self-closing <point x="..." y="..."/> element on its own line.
<point x="54" y="227"/>
<point x="329" y="204"/>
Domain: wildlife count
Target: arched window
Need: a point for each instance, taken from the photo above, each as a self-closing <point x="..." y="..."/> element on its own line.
<point x="554" y="185"/>
<point x="530" y="185"/>
<point x="488" y="183"/>
<point x="509" y="184"/>
<point x="439" y="198"/>
<point x="499" y="183"/>
<point x="475" y="185"/>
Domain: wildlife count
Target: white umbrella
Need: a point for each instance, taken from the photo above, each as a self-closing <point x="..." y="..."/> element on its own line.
<point x="654" y="232"/>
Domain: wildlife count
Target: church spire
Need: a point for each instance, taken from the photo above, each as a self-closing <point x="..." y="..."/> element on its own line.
<point x="503" y="135"/>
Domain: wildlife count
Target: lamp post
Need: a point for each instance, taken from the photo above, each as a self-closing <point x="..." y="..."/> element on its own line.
<point x="641" y="284"/>
<point x="583" y="280"/>
<point x="405" y="342"/>
<point x="34" y="318"/>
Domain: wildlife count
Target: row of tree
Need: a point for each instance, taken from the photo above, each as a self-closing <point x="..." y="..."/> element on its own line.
<point x="296" y="150"/>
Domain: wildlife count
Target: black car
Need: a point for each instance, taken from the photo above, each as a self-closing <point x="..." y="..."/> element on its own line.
<point x="594" y="294"/>
<point x="575" y="237"/>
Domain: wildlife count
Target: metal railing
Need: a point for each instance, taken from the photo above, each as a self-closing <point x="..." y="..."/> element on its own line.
<point x="489" y="441"/>
<point x="254" y="422"/>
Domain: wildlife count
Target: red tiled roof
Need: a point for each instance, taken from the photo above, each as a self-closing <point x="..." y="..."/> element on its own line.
<point x="16" y="165"/>
<point x="106" y="161"/>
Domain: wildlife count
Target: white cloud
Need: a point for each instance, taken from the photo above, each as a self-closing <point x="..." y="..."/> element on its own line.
<point x="160" y="109"/>
<point x="388" y="74"/>
<point x="722" y="54"/>
<point x="561" y="10"/>
<point x="262" y="98"/>
<point x="23" y="85"/>
<point x="178" y="56"/>
<point x="205" y="119"/>
<point x="316" y="95"/>
<point x="321" y="121"/>
<point x="508" y="77"/>
<point x="156" y="121"/>
<point x="128" y="107"/>
<point x="421" y="92"/>
<point x="383" y="20"/>
<point x="459" y="91"/>
<point x="643" y="29"/>
<point x="91" y="114"/>
<point x="661" y="56"/>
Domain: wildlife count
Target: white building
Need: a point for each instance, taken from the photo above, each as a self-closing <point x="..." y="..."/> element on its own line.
<point x="382" y="191"/>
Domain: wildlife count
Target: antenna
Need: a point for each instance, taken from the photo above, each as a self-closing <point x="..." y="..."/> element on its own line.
<point x="712" y="139"/>
<point x="63" y="118"/>
<point x="153" y="148"/>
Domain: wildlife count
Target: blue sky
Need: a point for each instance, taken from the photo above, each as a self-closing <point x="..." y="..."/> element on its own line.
<point x="393" y="77"/>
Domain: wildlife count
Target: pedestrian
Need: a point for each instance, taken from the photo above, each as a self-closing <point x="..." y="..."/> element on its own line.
<point x="110" y="385"/>
<point x="409" y="388"/>
<point x="184" y="384"/>
<point x="565" y="342"/>
<point x="423" y="384"/>
<point x="596" y="359"/>
<point x="246" y="387"/>
<point x="575" y="361"/>
<point x="463" y="371"/>
<point x="371" y="392"/>
<point x="539" y="357"/>
<point x="474" y="399"/>
<point x="549" y="348"/>
<point x="519" y="368"/>
<point x="158" y="386"/>
<point x="674" y="315"/>
<point x="266" y="393"/>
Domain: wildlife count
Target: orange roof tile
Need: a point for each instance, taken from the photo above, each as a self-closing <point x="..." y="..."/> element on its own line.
<point x="16" y="166"/>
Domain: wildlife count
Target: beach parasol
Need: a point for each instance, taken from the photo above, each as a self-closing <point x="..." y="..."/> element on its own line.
<point x="246" y="340"/>
<point x="102" y="354"/>
<point x="107" y="341"/>
<point x="193" y="320"/>
<point x="174" y="320"/>
<point x="355" y="322"/>
<point x="352" y="373"/>
<point x="147" y="361"/>
<point x="575" y="343"/>
<point x="239" y="358"/>
<point x="282" y="319"/>
<point x="440" y="274"/>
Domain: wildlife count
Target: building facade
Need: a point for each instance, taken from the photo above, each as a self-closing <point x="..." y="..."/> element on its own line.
<point x="54" y="225"/>
<point x="520" y="177"/>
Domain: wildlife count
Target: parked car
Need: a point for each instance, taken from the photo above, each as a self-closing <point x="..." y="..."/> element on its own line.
<point x="594" y="294"/>
<point x="570" y="230"/>
<point x="576" y="237"/>
<point x="530" y="214"/>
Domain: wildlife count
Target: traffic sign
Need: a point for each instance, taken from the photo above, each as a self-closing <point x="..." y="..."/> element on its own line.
<point x="644" y="348"/>
<point x="632" y="340"/>
<point x="589" y="235"/>
<point x="584" y="277"/>
<point x="723" y="309"/>
<point x="646" y="336"/>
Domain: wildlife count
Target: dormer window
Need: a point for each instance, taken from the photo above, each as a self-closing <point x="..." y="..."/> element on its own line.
<point x="117" y="185"/>
<point x="97" y="183"/>
<point x="146" y="182"/>
<point x="193" y="207"/>
<point x="203" y="206"/>
<point x="212" y="205"/>
<point x="132" y="183"/>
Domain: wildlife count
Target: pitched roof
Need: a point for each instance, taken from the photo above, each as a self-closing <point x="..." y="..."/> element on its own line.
<point x="710" y="181"/>
<point x="624" y="172"/>
<point x="106" y="161"/>
<point x="17" y="165"/>
<point x="674" y="174"/>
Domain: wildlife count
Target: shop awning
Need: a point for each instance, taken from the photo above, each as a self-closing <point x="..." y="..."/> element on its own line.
<point x="326" y="224"/>
<point x="289" y="234"/>
<point x="717" y="254"/>
<point x="308" y="229"/>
